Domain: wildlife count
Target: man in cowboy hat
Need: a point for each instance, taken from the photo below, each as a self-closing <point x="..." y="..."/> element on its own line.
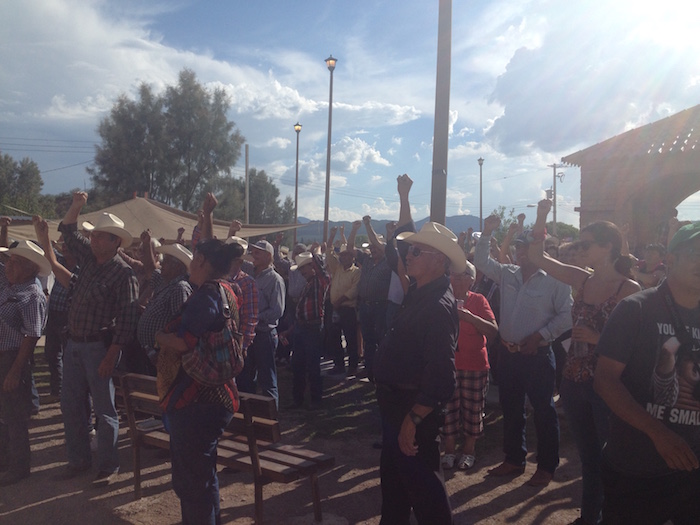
<point x="308" y="339"/>
<point x="102" y="319"/>
<point x="22" y="319"/>
<point x="170" y="291"/>
<point x="535" y="309"/>
<point x="415" y="374"/>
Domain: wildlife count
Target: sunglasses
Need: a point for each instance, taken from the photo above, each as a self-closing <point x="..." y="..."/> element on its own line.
<point x="416" y="251"/>
<point x="584" y="245"/>
<point x="692" y="252"/>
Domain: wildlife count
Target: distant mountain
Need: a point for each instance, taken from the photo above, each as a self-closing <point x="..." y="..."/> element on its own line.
<point x="313" y="230"/>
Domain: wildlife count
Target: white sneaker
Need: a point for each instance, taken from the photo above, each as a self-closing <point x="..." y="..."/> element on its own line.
<point x="466" y="462"/>
<point x="93" y="440"/>
<point x="448" y="461"/>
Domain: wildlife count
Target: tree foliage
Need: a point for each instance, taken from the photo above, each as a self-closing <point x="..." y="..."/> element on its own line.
<point x="20" y="187"/>
<point x="172" y="145"/>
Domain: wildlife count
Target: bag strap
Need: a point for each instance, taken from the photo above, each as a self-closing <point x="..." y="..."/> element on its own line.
<point x="226" y="306"/>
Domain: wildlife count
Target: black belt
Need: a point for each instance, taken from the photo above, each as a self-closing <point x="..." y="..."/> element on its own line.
<point x="396" y="388"/>
<point x="374" y="302"/>
<point x="316" y="322"/>
<point x="92" y="338"/>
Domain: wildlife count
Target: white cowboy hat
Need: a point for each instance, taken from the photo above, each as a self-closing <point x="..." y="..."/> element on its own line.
<point x="302" y="259"/>
<point x="110" y="223"/>
<point x="178" y="251"/>
<point x="32" y="253"/>
<point x="437" y="236"/>
<point x="240" y="241"/>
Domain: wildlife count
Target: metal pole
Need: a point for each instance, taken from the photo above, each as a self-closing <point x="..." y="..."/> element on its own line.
<point x="554" y="197"/>
<point x="297" y="128"/>
<point x="481" y="202"/>
<point x="330" y="62"/>
<point x="438" y="195"/>
<point x="247" y="188"/>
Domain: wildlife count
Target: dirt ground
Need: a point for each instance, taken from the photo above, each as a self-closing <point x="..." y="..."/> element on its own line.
<point x="350" y="491"/>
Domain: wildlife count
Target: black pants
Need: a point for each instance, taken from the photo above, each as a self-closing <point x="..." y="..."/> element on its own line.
<point x="346" y="325"/>
<point x="411" y="482"/>
<point x="15" y="408"/>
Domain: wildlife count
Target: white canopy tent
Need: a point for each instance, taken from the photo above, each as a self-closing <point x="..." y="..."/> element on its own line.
<point x="140" y="214"/>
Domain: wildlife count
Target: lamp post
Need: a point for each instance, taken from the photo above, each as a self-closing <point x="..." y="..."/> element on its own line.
<point x="330" y="62"/>
<point x="481" y="203"/>
<point x="297" y="128"/>
<point x="554" y="193"/>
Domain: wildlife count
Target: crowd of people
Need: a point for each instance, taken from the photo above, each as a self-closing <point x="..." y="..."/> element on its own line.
<point x="429" y="317"/>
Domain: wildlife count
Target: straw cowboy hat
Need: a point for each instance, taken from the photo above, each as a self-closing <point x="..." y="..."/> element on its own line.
<point x="302" y="259"/>
<point x="242" y="242"/>
<point x="442" y="239"/>
<point x="178" y="251"/>
<point x="32" y="253"/>
<point x="110" y="223"/>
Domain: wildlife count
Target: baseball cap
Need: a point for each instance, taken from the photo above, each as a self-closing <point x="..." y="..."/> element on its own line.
<point x="684" y="234"/>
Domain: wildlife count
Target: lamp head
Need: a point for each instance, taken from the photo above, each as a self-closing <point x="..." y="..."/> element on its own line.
<point x="480" y="161"/>
<point x="297" y="127"/>
<point x="330" y="62"/>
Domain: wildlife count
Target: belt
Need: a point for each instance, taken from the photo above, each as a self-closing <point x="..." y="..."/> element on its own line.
<point x="374" y="302"/>
<point x="315" y="322"/>
<point x="92" y="338"/>
<point x="396" y="388"/>
<point x="514" y="348"/>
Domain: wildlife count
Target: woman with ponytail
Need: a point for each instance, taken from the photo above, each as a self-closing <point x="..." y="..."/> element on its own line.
<point x="197" y="412"/>
<point x="603" y="279"/>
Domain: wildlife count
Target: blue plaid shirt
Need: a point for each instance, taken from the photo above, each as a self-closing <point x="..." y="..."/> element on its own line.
<point x="22" y="311"/>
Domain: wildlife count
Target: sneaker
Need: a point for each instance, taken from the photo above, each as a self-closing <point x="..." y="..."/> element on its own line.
<point x="104" y="478"/>
<point x="93" y="440"/>
<point x="448" y="461"/>
<point x="466" y="462"/>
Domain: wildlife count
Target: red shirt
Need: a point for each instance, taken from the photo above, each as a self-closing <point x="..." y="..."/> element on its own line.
<point x="471" y="346"/>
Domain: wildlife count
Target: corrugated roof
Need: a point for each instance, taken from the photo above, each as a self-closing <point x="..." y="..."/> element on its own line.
<point x="679" y="133"/>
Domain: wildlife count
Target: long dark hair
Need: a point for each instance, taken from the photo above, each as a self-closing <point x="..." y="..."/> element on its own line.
<point x="219" y="255"/>
<point x="605" y="232"/>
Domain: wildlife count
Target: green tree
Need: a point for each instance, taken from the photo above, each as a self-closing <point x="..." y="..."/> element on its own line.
<point x="20" y="185"/>
<point x="171" y="146"/>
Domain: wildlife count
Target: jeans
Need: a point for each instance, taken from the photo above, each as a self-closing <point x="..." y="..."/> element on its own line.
<point x="373" y="326"/>
<point x="588" y="415"/>
<point x="411" y="481"/>
<point x="306" y="362"/>
<point x="522" y="375"/>
<point x="55" y="344"/>
<point x="80" y="378"/>
<point x="15" y="408"/>
<point x="194" y="434"/>
<point x="347" y="325"/>
<point x="260" y="368"/>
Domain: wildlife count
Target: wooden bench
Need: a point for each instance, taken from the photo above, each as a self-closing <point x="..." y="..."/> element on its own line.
<point x="251" y="442"/>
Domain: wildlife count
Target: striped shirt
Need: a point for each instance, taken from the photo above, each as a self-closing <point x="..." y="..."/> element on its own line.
<point x="105" y="295"/>
<point x="22" y="311"/>
<point x="248" y="312"/>
<point x="310" y="305"/>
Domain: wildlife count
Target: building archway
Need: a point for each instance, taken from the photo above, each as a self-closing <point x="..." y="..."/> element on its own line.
<point x="640" y="177"/>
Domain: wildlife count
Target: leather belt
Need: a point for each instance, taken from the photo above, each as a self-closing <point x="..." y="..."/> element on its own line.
<point x="92" y="338"/>
<point x="514" y="348"/>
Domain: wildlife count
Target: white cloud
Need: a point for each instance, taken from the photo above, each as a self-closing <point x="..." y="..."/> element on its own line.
<point x="352" y="154"/>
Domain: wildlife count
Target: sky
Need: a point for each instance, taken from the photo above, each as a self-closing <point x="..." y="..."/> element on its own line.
<point x="531" y="81"/>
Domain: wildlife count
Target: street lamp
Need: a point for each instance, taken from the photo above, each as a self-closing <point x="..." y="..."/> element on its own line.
<point x="297" y="128"/>
<point x="481" y="205"/>
<point x="330" y="62"/>
<point x="560" y="176"/>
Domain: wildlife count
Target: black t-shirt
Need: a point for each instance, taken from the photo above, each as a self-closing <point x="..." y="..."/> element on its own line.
<point x="641" y="335"/>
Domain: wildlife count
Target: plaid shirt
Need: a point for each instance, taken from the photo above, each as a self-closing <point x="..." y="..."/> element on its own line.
<point x="310" y="305"/>
<point x="105" y="295"/>
<point x="22" y="311"/>
<point x="248" y="312"/>
<point x="166" y="302"/>
<point x="59" y="300"/>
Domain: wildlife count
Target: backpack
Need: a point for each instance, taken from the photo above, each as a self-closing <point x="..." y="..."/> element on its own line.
<point x="218" y="356"/>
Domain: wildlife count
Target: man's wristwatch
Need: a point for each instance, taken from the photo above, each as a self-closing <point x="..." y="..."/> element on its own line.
<point x="415" y="418"/>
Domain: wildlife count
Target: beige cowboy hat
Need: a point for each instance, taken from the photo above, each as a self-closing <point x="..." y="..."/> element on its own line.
<point x="110" y="223"/>
<point x="242" y="242"/>
<point x="178" y="251"/>
<point x="32" y="252"/>
<point x="437" y="236"/>
<point x="302" y="259"/>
